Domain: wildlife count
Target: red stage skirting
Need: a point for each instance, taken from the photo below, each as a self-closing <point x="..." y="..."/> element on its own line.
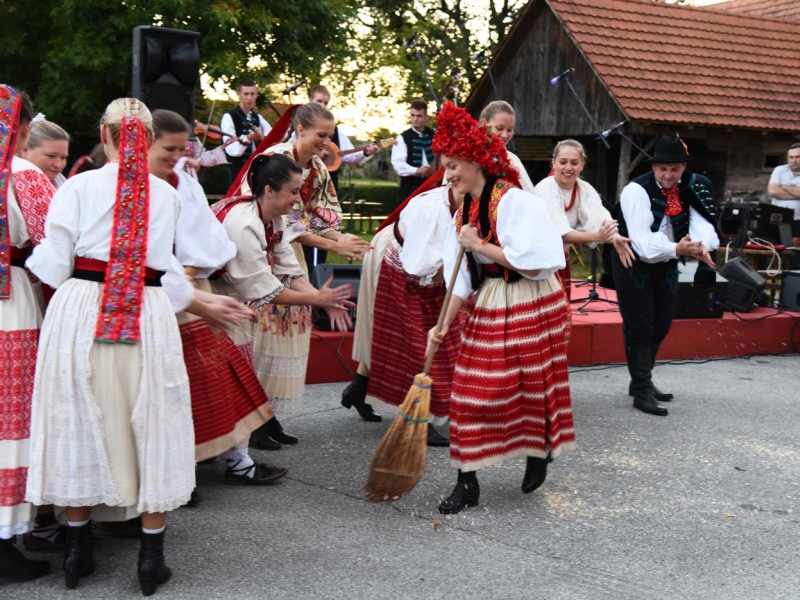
<point x="596" y="338"/>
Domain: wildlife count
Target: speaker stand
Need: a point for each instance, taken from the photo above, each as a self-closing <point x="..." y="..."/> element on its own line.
<point x="593" y="295"/>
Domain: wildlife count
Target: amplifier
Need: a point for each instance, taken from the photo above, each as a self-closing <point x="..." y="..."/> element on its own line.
<point x="744" y="283"/>
<point x="759" y="220"/>
<point x="699" y="301"/>
<point x="790" y="290"/>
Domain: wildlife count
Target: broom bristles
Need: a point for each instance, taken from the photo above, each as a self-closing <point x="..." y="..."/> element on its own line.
<point x="400" y="458"/>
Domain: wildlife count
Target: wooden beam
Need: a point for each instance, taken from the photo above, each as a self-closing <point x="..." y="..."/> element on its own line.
<point x="639" y="157"/>
<point x="623" y="171"/>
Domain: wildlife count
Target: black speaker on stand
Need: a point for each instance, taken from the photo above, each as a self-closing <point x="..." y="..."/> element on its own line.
<point x="166" y="68"/>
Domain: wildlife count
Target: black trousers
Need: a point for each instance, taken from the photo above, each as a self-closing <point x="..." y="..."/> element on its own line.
<point x="408" y="185"/>
<point x="647" y="296"/>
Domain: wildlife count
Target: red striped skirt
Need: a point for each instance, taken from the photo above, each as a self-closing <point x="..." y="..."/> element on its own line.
<point x="404" y="313"/>
<point x="228" y="402"/>
<point x="511" y="385"/>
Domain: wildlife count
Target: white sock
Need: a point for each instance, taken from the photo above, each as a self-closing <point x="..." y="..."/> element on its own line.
<point x="153" y="531"/>
<point x="239" y="461"/>
<point x="77" y="523"/>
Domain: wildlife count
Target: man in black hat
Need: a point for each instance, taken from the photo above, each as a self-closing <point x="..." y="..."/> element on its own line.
<point x="668" y="213"/>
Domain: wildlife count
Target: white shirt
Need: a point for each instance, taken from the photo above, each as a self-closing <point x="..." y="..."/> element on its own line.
<point x="526" y="234"/>
<point x="236" y="149"/>
<point x="200" y="239"/>
<point x="400" y="154"/>
<point x="783" y="175"/>
<point x="659" y="246"/>
<point x="424" y="224"/>
<point x="524" y="178"/>
<point x="587" y="214"/>
<point x="80" y="223"/>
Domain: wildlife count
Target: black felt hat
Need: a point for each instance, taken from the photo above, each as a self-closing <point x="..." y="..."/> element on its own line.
<point x="671" y="150"/>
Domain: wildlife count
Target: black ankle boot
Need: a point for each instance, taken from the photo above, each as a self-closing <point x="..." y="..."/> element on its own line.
<point x="78" y="559"/>
<point x="261" y="439"/>
<point x="16" y="567"/>
<point x="435" y="439"/>
<point x="277" y="433"/>
<point x="535" y="473"/>
<point x="640" y="363"/>
<point x="355" y="394"/>
<point x="152" y="568"/>
<point x="466" y="493"/>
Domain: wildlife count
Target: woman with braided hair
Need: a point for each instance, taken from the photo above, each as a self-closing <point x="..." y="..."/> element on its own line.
<point x="510" y="394"/>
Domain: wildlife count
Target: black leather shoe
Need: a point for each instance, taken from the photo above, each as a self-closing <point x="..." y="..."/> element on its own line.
<point x="435" y="439"/>
<point x="14" y="566"/>
<point x="262" y="475"/>
<point x="464" y="494"/>
<point x="261" y="439"/>
<point x="354" y="395"/>
<point x="152" y="568"/>
<point x="535" y="474"/>
<point x="657" y="394"/>
<point x="78" y="559"/>
<point x="277" y="433"/>
<point x="648" y="404"/>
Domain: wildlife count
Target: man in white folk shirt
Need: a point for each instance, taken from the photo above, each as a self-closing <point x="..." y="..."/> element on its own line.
<point x="412" y="155"/>
<point x="784" y="187"/>
<point x="243" y="122"/>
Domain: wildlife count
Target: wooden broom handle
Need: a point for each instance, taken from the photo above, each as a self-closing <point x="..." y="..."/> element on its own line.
<point x="443" y="312"/>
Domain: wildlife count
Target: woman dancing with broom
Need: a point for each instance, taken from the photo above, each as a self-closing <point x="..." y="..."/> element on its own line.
<point x="510" y="393"/>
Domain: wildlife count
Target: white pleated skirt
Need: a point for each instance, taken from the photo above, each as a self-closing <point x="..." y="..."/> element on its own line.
<point x="111" y="423"/>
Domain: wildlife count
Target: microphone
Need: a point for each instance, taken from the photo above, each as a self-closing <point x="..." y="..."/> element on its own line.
<point x="614" y="129"/>
<point x="409" y="43"/>
<point x="557" y="78"/>
<point x="293" y="88"/>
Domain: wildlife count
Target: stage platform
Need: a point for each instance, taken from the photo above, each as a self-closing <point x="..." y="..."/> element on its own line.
<point x="596" y="338"/>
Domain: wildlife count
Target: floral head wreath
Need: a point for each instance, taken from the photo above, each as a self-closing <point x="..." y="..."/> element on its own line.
<point x="458" y="134"/>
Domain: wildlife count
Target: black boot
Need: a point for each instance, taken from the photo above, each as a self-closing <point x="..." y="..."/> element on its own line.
<point x="276" y="432"/>
<point x="466" y="493"/>
<point x="535" y="473"/>
<point x="640" y="363"/>
<point x="152" y="568"/>
<point x="261" y="439"/>
<point x="15" y="567"/>
<point x="435" y="439"/>
<point x="657" y="393"/>
<point x="355" y="394"/>
<point x="78" y="559"/>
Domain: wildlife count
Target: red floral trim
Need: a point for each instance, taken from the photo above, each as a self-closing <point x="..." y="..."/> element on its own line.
<point x="9" y="123"/>
<point x="18" y="360"/>
<point x="34" y="192"/>
<point x="121" y="305"/>
<point x="12" y="486"/>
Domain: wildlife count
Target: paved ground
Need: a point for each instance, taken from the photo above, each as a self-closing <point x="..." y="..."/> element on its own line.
<point x="701" y="504"/>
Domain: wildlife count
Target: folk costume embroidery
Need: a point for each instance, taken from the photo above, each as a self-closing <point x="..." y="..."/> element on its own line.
<point x="9" y="122"/>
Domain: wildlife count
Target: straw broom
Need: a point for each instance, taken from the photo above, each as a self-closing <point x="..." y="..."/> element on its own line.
<point x="400" y="458"/>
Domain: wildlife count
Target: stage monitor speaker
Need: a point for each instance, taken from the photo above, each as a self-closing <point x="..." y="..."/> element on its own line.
<point x="744" y="283"/>
<point x="166" y="68"/>
<point x="790" y="290"/>
<point x="699" y="301"/>
<point x="342" y="274"/>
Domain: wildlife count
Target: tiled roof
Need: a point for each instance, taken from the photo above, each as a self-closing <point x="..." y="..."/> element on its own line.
<point x="779" y="9"/>
<point x="685" y="65"/>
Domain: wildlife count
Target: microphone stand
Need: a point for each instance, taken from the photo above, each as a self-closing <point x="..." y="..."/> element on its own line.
<point x="413" y="44"/>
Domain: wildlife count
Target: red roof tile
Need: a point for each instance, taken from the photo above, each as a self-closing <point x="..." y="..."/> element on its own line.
<point x="779" y="9"/>
<point x="685" y="65"/>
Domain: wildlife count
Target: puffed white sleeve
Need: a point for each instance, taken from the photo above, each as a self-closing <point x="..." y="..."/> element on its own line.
<point x="178" y="289"/>
<point x="346" y="144"/>
<point x="53" y="259"/>
<point x="650" y="246"/>
<point x="548" y="193"/>
<point x="524" y="178"/>
<point x="591" y="212"/>
<point x="463" y="285"/>
<point x="226" y="125"/>
<point x="527" y="235"/>
<point x="426" y="220"/>
<point x="701" y="230"/>
<point x="399" y="155"/>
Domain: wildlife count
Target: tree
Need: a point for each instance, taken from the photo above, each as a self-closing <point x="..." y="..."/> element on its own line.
<point x="74" y="56"/>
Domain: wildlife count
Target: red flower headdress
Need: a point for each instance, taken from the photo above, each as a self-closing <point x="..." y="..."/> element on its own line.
<point x="458" y="134"/>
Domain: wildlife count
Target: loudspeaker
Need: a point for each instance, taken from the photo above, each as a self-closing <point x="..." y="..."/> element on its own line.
<point x="699" y="301"/>
<point x="790" y="290"/>
<point x="166" y="67"/>
<point x="744" y="283"/>
<point x="342" y="274"/>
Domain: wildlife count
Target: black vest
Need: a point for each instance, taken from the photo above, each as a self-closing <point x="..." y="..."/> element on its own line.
<point x="240" y="124"/>
<point x="416" y="144"/>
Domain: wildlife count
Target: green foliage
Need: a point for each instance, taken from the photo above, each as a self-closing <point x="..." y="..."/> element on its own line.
<point x="371" y="190"/>
<point x="74" y="56"/>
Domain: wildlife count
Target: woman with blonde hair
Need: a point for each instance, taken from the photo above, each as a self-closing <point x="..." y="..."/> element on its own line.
<point x="48" y="149"/>
<point x="500" y="117"/>
<point x="111" y="427"/>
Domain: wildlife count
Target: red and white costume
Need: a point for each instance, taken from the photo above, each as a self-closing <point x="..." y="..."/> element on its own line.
<point x="27" y="198"/>
<point x="228" y="402"/>
<point x="511" y="386"/>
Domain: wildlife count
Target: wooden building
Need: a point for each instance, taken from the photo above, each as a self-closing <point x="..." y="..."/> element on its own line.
<point x="722" y="80"/>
